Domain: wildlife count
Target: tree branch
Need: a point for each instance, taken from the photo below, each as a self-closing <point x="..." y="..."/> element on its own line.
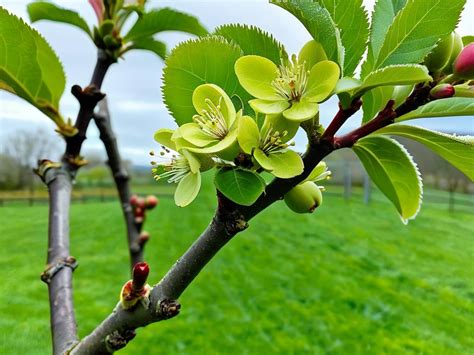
<point x="229" y="220"/>
<point x="59" y="178"/>
<point x="121" y="178"/>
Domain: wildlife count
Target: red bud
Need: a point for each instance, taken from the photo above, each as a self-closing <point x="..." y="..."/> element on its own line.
<point x="140" y="275"/>
<point x="140" y="202"/>
<point x="442" y="91"/>
<point x="139" y="212"/>
<point x="151" y="202"/>
<point x="133" y="200"/>
<point x="464" y="64"/>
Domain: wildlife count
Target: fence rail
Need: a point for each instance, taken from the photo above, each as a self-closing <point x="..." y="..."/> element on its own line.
<point x="366" y="193"/>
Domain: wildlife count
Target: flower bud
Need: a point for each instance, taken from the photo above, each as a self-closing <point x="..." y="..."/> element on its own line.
<point x="442" y="91"/>
<point x="440" y="55"/>
<point x="304" y="198"/>
<point x="464" y="64"/>
<point x="151" y="202"/>
<point x="136" y="289"/>
<point x="140" y="202"/>
<point x="133" y="200"/>
<point x="140" y="275"/>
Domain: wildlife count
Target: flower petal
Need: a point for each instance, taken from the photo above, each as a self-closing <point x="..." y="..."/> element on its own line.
<point x="194" y="162"/>
<point x="248" y="134"/>
<point x="312" y="53"/>
<point x="163" y="136"/>
<point x="256" y="74"/>
<point x="301" y="111"/>
<point x="230" y="138"/>
<point x="194" y="134"/>
<point x="283" y="165"/>
<point x="214" y="93"/>
<point x="269" y="107"/>
<point x="279" y="123"/>
<point x="322" y="81"/>
<point x="187" y="189"/>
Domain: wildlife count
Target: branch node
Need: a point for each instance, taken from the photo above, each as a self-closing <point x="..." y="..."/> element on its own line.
<point x="234" y="223"/>
<point x="117" y="340"/>
<point x="168" y="308"/>
<point x="90" y="95"/>
<point x="43" y="166"/>
<point x="52" y="269"/>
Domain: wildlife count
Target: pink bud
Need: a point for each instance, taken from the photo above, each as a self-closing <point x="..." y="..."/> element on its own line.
<point x="151" y="202"/>
<point x="464" y="64"/>
<point x="442" y="91"/>
<point x="140" y="275"/>
<point x="140" y="202"/>
<point x="98" y="7"/>
<point x="133" y="200"/>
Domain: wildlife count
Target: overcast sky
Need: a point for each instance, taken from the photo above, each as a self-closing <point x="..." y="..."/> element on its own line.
<point x="133" y="86"/>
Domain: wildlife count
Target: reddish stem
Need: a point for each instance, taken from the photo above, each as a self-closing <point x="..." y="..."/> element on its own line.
<point x="384" y="118"/>
<point x="340" y="118"/>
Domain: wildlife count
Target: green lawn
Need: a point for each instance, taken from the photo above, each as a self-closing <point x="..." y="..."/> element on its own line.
<point x="349" y="279"/>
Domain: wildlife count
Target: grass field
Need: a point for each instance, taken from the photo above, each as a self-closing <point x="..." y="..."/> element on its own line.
<point x="349" y="279"/>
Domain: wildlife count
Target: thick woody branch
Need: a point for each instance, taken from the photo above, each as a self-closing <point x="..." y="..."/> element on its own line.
<point x="121" y="178"/>
<point x="58" y="275"/>
<point x="58" y="178"/>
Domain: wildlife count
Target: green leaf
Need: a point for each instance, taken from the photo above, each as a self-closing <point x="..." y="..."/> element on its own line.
<point x="374" y="101"/>
<point x="150" y="44"/>
<point x="457" y="150"/>
<point x="394" y="75"/>
<point x="196" y="62"/>
<point x="392" y="169"/>
<point x="382" y="17"/>
<point x="319" y="24"/>
<point x="239" y="185"/>
<point x="187" y="189"/>
<point x="351" y="19"/>
<point x="165" y="19"/>
<point x="253" y="40"/>
<point x="453" y="106"/>
<point x="467" y="40"/>
<point x="47" y="11"/>
<point x="416" y="30"/>
<point x="29" y="67"/>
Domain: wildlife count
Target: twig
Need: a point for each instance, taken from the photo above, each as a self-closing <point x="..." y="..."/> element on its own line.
<point x="121" y="178"/>
<point x="229" y="220"/>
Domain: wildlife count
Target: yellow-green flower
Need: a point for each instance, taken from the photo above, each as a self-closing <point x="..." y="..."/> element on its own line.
<point x="294" y="88"/>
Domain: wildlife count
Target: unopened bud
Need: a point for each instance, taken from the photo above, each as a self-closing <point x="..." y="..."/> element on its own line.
<point x="442" y="91"/>
<point x="133" y="200"/>
<point x="136" y="289"/>
<point x="304" y="198"/>
<point x="464" y="64"/>
<point x="140" y="202"/>
<point x="151" y="202"/>
<point x="440" y="55"/>
<point x="140" y="275"/>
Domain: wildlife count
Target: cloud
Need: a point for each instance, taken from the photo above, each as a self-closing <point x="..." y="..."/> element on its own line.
<point x="140" y="106"/>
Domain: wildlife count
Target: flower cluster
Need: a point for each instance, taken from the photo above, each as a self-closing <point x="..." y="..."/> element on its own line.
<point x="219" y="135"/>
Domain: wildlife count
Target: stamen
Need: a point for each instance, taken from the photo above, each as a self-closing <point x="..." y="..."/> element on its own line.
<point x="174" y="169"/>
<point x="212" y="121"/>
<point x="272" y="141"/>
<point x="292" y="80"/>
